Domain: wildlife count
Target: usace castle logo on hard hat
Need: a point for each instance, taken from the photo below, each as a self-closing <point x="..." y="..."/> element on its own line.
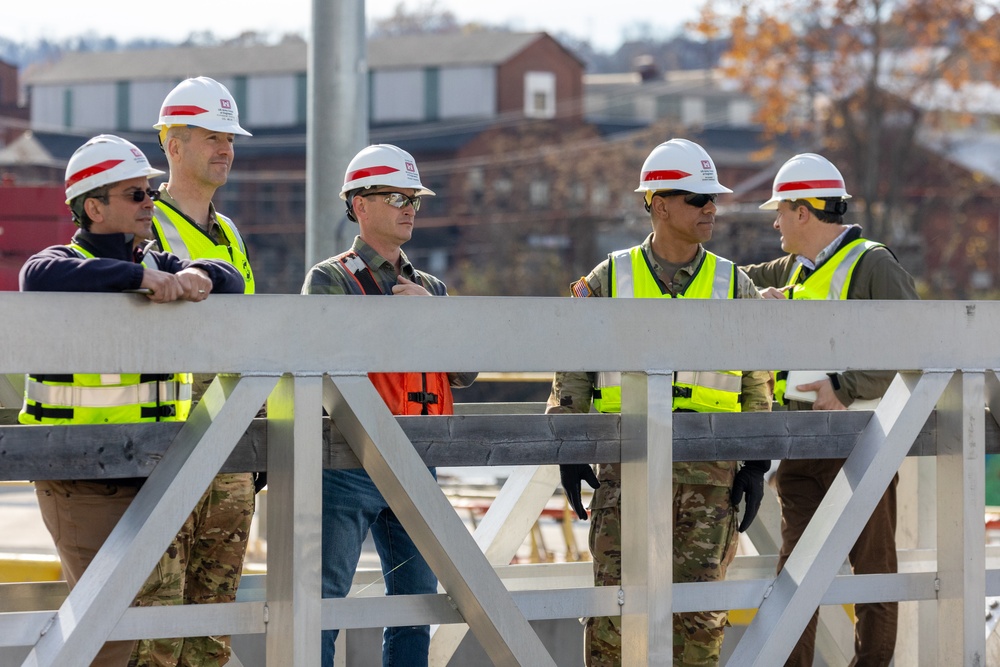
<point x="410" y="167"/>
<point x="136" y="152"/>
<point x="226" y="104"/>
<point x="706" y="164"/>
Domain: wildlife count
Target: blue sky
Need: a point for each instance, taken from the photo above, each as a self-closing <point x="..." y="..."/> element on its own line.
<point x="125" y="20"/>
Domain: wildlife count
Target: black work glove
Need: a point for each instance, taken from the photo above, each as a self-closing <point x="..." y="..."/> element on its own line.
<point x="749" y="480"/>
<point x="571" y="475"/>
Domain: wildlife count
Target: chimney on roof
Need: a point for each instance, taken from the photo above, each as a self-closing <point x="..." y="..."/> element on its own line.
<point x="646" y="67"/>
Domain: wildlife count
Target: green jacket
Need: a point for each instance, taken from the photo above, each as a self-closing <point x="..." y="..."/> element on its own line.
<point x="877" y="276"/>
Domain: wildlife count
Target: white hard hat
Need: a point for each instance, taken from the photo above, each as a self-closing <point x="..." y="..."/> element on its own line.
<point x="201" y="102"/>
<point x="680" y="164"/>
<point x="102" y="160"/>
<point x="806" y="176"/>
<point x="383" y="164"/>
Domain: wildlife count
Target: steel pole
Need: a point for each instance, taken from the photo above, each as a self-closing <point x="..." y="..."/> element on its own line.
<point x="337" y="119"/>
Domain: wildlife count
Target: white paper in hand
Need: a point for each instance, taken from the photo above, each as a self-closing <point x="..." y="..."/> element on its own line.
<point x="796" y="378"/>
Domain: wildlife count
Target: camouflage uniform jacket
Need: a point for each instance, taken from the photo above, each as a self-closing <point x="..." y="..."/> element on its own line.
<point x="572" y="392"/>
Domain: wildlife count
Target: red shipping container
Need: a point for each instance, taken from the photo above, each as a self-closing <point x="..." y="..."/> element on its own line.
<point x="32" y="218"/>
<point x="9" y="268"/>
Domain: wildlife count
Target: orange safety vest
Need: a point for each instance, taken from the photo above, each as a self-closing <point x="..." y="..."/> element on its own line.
<point x="415" y="393"/>
<point x="403" y="393"/>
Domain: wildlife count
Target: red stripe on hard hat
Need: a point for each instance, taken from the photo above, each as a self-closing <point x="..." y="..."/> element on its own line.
<point x="369" y="171"/>
<point x="92" y="170"/>
<point x="665" y="175"/>
<point x="810" y="185"/>
<point x="183" y="110"/>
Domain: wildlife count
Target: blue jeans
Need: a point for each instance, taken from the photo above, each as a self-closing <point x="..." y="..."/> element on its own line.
<point x="351" y="506"/>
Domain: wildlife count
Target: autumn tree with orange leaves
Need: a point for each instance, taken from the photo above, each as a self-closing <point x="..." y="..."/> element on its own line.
<point x="861" y="81"/>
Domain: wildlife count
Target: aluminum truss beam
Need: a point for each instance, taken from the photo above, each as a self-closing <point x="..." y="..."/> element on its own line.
<point x="438" y="532"/>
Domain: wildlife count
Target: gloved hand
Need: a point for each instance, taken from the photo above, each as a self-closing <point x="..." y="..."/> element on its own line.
<point x="571" y="475"/>
<point x="749" y="480"/>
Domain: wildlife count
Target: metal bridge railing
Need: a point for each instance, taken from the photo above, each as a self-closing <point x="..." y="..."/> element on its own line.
<point x="305" y="354"/>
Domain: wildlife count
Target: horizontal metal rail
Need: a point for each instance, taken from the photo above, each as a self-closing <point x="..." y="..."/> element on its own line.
<point x="133" y="450"/>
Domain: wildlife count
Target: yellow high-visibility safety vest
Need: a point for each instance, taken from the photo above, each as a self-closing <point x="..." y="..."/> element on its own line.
<point x="105" y="398"/>
<point x="830" y="282"/>
<point x="631" y="276"/>
<point x="178" y="235"/>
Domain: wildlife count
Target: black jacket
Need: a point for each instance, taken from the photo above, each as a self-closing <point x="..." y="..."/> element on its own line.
<point x="114" y="268"/>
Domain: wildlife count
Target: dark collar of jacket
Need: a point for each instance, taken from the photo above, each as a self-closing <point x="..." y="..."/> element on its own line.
<point x="110" y="246"/>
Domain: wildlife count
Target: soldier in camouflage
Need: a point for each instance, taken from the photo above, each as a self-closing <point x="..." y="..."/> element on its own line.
<point x="198" y="124"/>
<point x="202" y="565"/>
<point x="679" y="193"/>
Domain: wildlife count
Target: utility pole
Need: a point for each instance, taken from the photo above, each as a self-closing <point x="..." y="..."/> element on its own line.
<point x="336" y="118"/>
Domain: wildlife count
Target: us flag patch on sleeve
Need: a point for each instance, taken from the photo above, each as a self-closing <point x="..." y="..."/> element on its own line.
<point x="580" y="288"/>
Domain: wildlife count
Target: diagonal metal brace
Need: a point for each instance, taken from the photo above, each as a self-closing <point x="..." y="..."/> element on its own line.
<point x="838" y="521"/>
<point x="445" y="543"/>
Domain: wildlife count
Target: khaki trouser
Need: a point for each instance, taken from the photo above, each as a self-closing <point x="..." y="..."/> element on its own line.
<point x="80" y="515"/>
<point x="801" y="485"/>
<point x="202" y="565"/>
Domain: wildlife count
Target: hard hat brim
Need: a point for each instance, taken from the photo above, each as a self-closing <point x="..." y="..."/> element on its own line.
<point x="772" y="203"/>
<point x="187" y="122"/>
<point x="717" y="189"/>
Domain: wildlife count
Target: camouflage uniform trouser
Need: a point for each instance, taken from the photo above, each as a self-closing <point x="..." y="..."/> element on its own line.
<point x="705" y="538"/>
<point x="202" y="565"/>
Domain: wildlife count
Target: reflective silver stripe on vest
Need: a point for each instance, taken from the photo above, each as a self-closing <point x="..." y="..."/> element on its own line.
<point x="721" y="280"/>
<point x="107" y="397"/>
<point x="843" y="270"/>
<point x="171" y="235"/>
<point x="234" y="233"/>
<point x="711" y="380"/>
<point x="624" y="284"/>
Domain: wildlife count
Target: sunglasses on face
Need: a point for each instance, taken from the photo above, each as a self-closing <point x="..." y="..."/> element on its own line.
<point x="397" y="199"/>
<point x="139" y="195"/>
<point x="696" y="199"/>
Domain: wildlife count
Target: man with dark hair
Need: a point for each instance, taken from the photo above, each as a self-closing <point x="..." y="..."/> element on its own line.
<point x="828" y="259"/>
<point x="679" y="185"/>
<point x="107" y="189"/>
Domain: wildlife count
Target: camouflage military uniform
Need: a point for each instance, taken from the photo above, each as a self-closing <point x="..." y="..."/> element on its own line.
<point x="202" y="565"/>
<point x="204" y="562"/>
<point x="705" y="522"/>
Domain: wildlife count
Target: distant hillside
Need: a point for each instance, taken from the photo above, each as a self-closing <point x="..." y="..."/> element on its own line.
<point x="23" y="54"/>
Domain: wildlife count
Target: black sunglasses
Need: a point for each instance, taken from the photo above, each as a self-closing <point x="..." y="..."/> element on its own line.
<point x="696" y="199"/>
<point x="139" y="195"/>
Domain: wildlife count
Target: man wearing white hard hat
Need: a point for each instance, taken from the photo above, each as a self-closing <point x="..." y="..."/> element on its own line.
<point x="383" y="193"/>
<point x="830" y="259"/>
<point x="107" y="190"/>
<point x="198" y="124"/>
<point x="679" y="186"/>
